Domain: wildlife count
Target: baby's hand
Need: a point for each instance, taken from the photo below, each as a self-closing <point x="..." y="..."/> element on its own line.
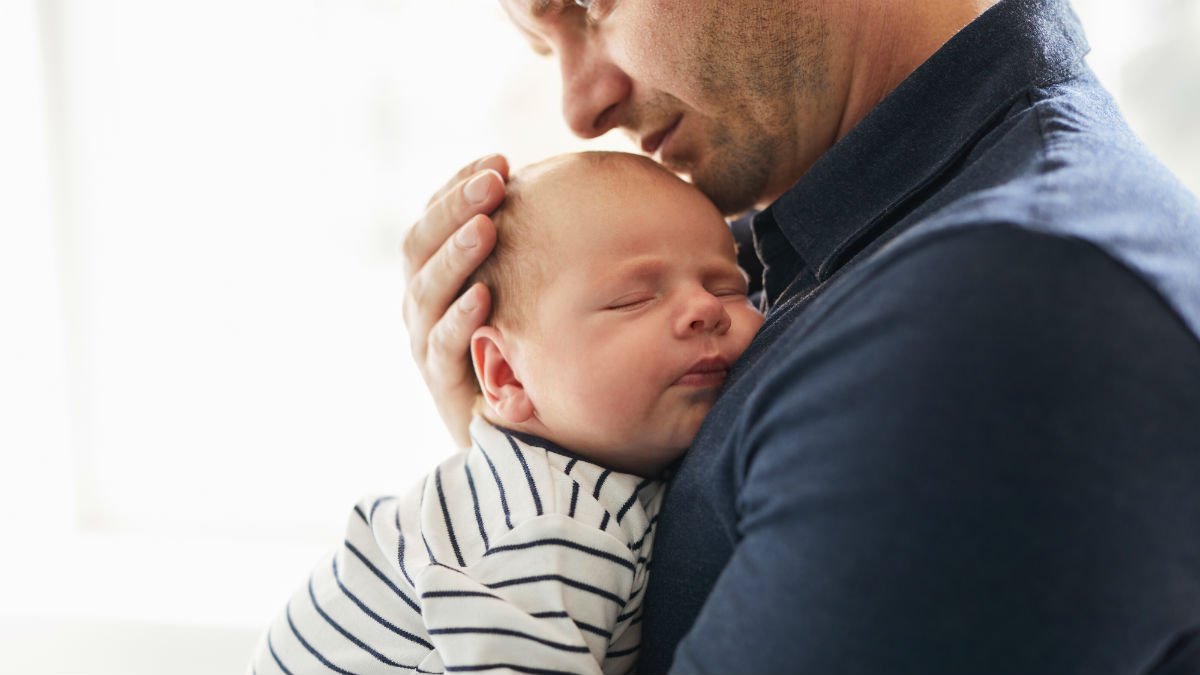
<point x="441" y="250"/>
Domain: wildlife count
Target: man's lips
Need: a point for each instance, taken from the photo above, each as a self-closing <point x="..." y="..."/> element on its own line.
<point x="707" y="372"/>
<point x="651" y="143"/>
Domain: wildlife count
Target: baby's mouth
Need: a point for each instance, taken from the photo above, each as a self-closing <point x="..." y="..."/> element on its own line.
<point x="707" y="372"/>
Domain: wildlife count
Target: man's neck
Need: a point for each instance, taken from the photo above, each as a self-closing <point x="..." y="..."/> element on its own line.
<point x="891" y="39"/>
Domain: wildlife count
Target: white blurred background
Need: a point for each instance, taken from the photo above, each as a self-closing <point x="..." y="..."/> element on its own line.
<point x="202" y="360"/>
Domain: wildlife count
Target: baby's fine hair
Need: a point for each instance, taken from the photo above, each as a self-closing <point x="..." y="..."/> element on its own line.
<point x="517" y="267"/>
<point x="512" y="270"/>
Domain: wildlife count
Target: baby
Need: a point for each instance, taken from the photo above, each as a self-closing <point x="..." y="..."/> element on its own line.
<point x="618" y="309"/>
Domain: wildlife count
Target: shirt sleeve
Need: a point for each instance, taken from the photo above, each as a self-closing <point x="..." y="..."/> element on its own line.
<point x="355" y="613"/>
<point x="981" y="459"/>
<point x="546" y="598"/>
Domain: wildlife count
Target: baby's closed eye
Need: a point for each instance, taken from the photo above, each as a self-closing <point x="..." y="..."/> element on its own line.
<point x="631" y="301"/>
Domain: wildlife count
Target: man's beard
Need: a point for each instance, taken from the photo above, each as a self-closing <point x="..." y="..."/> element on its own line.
<point x="735" y="171"/>
<point x="732" y="167"/>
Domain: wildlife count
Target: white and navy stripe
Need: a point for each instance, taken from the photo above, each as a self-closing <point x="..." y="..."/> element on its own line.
<point x="512" y="556"/>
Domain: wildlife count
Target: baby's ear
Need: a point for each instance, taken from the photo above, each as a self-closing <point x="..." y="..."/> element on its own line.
<point x="502" y="391"/>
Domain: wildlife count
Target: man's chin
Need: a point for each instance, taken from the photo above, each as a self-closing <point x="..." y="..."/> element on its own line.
<point x="731" y="197"/>
<point x="734" y="181"/>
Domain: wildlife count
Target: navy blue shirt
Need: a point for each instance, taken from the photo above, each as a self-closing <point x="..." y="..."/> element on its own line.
<point x="967" y="439"/>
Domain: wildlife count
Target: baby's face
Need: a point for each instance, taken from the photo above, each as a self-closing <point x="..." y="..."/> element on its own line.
<point x="645" y="312"/>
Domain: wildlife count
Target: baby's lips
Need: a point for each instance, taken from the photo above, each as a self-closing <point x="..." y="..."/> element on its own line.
<point x="710" y="370"/>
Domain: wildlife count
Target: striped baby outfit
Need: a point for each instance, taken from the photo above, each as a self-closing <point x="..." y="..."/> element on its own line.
<point x="512" y="556"/>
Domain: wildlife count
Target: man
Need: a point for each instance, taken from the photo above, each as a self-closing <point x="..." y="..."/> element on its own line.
<point x="967" y="438"/>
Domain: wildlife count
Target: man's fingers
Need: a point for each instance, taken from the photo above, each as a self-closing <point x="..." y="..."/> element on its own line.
<point x="452" y="205"/>
<point x="496" y="163"/>
<point x="431" y="290"/>
<point x="479" y="193"/>
<point x="442" y="250"/>
<point x="450" y="337"/>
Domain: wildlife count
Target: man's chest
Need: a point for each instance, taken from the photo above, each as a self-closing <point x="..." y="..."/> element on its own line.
<point x="697" y="528"/>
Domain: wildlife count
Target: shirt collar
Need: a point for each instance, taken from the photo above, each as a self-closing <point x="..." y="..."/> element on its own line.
<point x="858" y="188"/>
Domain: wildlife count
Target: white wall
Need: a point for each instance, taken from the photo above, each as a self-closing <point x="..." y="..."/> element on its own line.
<point x="202" y="361"/>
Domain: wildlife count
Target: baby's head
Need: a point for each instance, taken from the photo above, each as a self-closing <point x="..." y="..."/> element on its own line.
<point x="617" y="309"/>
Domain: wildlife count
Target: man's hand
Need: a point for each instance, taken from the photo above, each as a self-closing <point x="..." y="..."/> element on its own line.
<point x="441" y="250"/>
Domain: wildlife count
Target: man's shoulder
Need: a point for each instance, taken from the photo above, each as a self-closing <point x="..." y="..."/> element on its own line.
<point x="952" y="281"/>
<point x="961" y="315"/>
<point x="1063" y="157"/>
<point x="1065" y="165"/>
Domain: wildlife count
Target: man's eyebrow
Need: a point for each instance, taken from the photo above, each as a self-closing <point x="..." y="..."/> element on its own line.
<point x="540" y="7"/>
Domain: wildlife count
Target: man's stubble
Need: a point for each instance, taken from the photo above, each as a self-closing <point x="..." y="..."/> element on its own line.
<point x="767" y="62"/>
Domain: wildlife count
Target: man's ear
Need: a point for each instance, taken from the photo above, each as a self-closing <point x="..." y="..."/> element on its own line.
<point x="501" y="389"/>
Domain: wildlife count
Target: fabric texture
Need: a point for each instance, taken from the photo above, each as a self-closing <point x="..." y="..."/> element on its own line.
<point x="511" y="556"/>
<point x="967" y="438"/>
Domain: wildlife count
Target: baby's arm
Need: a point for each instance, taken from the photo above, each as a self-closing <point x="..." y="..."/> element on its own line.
<point x="356" y="613"/>
<point x="551" y="595"/>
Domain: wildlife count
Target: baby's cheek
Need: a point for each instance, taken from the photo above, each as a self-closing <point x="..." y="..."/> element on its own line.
<point x="621" y="400"/>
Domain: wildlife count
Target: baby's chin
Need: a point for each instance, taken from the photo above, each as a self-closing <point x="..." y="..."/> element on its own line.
<point x="648" y="460"/>
<point x="623" y="448"/>
<point x="671" y="457"/>
<point x="698" y="412"/>
<point x="680" y="442"/>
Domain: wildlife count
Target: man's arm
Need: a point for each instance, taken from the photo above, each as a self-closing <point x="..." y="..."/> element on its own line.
<point x="983" y="459"/>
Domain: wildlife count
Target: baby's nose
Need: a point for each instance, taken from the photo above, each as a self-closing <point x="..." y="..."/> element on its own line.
<point x="707" y="315"/>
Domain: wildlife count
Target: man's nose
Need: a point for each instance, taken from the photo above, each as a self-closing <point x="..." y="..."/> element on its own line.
<point x="593" y="90"/>
<point x="704" y="314"/>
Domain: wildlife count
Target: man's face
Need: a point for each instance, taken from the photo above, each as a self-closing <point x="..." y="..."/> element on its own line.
<point x="732" y="93"/>
<point x="631" y="340"/>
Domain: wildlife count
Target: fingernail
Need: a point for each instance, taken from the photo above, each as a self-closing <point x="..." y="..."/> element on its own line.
<point x="467" y="237"/>
<point x="479" y="166"/>
<point x="470" y="301"/>
<point x="477" y="188"/>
